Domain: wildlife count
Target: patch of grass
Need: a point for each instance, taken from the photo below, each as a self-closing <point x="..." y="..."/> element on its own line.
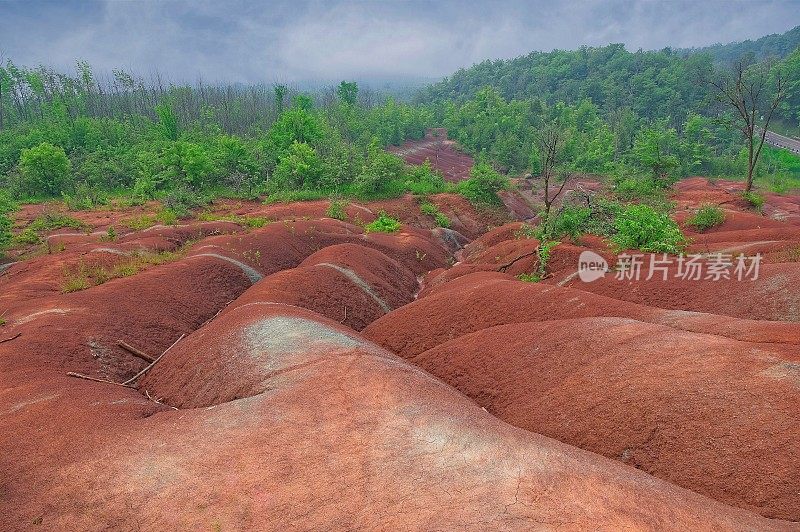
<point x="754" y="199"/>
<point x="140" y="222"/>
<point x="706" y="217"/>
<point x="288" y="196"/>
<point x="87" y="275"/>
<point x="50" y="221"/>
<point x="167" y="217"/>
<point x="383" y="224"/>
<point x="252" y="222"/>
<point x="75" y="281"/>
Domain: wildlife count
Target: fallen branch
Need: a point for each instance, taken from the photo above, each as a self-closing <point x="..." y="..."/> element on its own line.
<point x="88" y="378"/>
<point x="504" y="267"/>
<point x="153" y="363"/>
<point x="10" y="338"/>
<point x="135" y="352"/>
<point x="345" y="315"/>
<point x="158" y="401"/>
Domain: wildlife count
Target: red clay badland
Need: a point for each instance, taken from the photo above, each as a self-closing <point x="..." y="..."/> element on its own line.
<point x="325" y="378"/>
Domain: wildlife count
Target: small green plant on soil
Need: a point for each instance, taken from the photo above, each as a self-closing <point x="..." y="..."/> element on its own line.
<point x="791" y="255"/>
<point x="430" y="209"/>
<point x="755" y="200"/>
<point x="75" y="281"/>
<point x="382" y="224"/>
<point x="442" y="220"/>
<point x="336" y="210"/>
<point x="110" y="236"/>
<point x="543" y="253"/>
<point x="642" y="227"/>
<point x="706" y="217"/>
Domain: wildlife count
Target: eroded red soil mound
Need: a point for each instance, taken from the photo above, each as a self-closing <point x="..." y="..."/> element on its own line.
<point x="273" y="411"/>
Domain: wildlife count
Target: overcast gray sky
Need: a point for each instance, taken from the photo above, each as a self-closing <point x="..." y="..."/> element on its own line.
<point x="249" y="41"/>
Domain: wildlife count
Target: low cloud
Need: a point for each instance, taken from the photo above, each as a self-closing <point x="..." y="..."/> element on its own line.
<point x="292" y="41"/>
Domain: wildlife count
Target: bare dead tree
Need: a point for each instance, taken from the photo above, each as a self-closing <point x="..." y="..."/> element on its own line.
<point x="746" y="88"/>
<point x="550" y="144"/>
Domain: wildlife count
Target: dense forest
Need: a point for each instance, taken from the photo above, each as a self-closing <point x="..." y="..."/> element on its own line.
<point x="85" y="137"/>
<point x="775" y="45"/>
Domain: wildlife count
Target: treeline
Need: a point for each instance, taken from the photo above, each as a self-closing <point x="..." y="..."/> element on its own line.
<point x="777" y="45"/>
<point x="75" y="138"/>
<point x="506" y="131"/>
<point x="622" y="112"/>
<point x="653" y="85"/>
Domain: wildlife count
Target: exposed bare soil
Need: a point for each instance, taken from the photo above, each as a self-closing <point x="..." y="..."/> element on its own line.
<point x="330" y="379"/>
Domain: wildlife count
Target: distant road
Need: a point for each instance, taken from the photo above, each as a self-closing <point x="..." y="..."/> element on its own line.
<point x="779" y="141"/>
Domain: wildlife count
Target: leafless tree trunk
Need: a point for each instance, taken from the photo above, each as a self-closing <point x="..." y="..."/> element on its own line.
<point x="746" y="89"/>
<point x="550" y="144"/>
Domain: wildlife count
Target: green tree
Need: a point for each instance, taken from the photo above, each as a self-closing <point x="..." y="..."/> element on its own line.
<point x="347" y="92"/>
<point x="188" y="163"/>
<point x="294" y="125"/>
<point x="300" y="168"/>
<point x="45" y="169"/>
<point x="380" y="170"/>
<point x="280" y="95"/>
<point x="483" y="185"/>
<point x="655" y="147"/>
<point x="167" y="121"/>
<point x="695" y="144"/>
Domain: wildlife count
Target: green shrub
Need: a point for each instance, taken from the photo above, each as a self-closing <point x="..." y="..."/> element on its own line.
<point x="379" y="174"/>
<point x="642" y="227"/>
<point x="167" y="217"/>
<point x="426" y="207"/>
<point x="111" y="234"/>
<point x="336" y="210"/>
<point x="483" y="185"/>
<point x="301" y="167"/>
<point x="7" y="204"/>
<point x="382" y="224"/>
<point x="6" y="237"/>
<point x="26" y="237"/>
<point x="574" y="220"/>
<point x="755" y="200"/>
<point x="647" y="190"/>
<point x="424" y="177"/>
<point x="706" y="217"/>
<point x="182" y="200"/>
<point x="45" y="169"/>
<point x="288" y="196"/>
<point x="571" y="221"/>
